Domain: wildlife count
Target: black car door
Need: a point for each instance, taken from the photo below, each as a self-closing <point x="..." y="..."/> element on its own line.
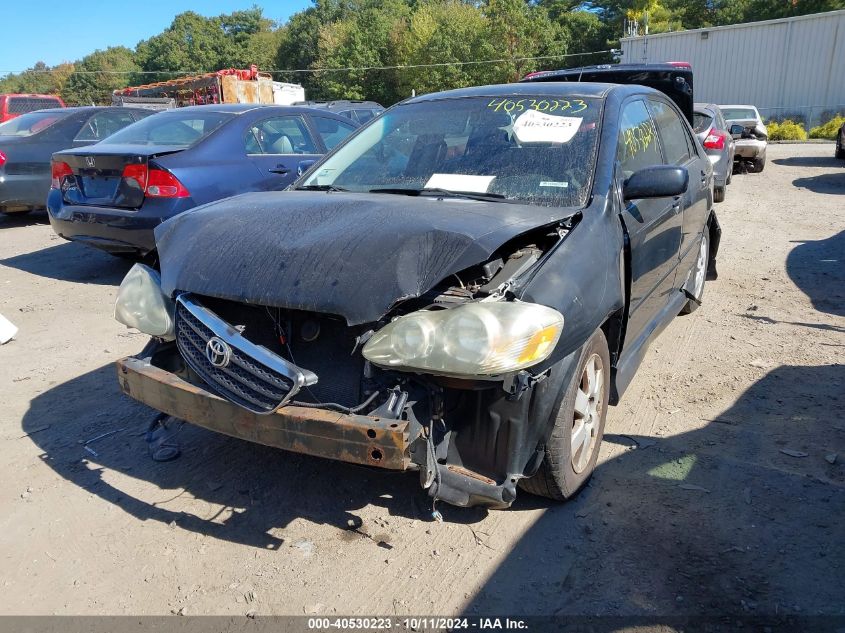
<point x="653" y="225"/>
<point x="276" y="146"/>
<point x="680" y="149"/>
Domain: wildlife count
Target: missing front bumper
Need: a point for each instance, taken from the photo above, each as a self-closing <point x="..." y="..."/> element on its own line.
<point x="357" y="439"/>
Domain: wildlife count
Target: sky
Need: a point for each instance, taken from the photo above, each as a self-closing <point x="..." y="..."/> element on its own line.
<point x="57" y="31"/>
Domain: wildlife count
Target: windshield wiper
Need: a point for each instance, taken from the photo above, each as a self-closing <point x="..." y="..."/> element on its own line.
<point x="484" y="197"/>
<point x="320" y="188"/>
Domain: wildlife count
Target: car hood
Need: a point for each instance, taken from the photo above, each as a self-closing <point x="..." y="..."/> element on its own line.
<point x="349" y="254"/>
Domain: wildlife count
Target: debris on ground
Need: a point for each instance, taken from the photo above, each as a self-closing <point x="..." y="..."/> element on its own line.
<point x="7" y="330"/>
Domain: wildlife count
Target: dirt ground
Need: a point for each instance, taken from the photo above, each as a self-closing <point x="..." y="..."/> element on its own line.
<point x="719" y="488"/>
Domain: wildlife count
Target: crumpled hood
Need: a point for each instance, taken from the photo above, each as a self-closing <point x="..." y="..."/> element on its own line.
<point x="348" y="254"/>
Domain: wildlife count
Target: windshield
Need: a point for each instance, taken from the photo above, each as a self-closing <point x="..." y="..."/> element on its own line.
<point x="538" y="150"/>
<point x="29" y="124"/>
<point x="181" y="129"/>
<point x="739" y="113"/>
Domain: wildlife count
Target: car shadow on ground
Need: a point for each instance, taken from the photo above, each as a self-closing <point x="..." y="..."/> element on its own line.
<point x="712" y="522"/>
<point x="266" y="487"/>
<point x="810" y="161"/>
<point x="10" y="220"/>
<point x="818" y="268"/>
<point x="825" y="183"/>
<point x="71" y="262"/>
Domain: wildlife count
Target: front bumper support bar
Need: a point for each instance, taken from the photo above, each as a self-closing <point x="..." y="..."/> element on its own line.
<point x="358" y="439"/>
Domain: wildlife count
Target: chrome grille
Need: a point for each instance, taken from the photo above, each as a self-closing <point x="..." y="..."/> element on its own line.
<point x="254" y="378"/>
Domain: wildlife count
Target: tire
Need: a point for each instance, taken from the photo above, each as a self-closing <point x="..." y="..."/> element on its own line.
<point x="561" y="475"/>
<point x="730" y="175"/>
<point x="840" y="147"/>
<point x="759" y="164"/>
<point x="699" y="274"/>
<point x="718" y="194"/>
<point x="20" y="212"/>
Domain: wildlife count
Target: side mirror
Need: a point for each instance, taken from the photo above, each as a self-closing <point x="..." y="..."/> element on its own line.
<point x="657" y="181"/>
<point x="736" y="130"/>
<point x="304" y="165"/>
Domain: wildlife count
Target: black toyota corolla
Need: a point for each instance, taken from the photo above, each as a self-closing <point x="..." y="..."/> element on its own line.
<point x="460" y="289"/>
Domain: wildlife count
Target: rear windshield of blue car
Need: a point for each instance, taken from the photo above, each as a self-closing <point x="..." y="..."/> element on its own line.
<point x="175" y="128"/>
<point x="535" y="149"/>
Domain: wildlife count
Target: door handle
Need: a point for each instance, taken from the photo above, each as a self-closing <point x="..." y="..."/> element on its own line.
<point x="279" y="169"/>
<point x="704" y="178"/>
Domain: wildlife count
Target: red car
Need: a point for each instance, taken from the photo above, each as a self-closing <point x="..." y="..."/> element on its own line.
<point x="12" y="105"/>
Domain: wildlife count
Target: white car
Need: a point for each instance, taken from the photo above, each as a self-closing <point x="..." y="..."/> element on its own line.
<point x="746" y="126"/>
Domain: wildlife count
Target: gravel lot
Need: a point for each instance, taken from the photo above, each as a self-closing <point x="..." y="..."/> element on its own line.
<point x="715" y="491"/>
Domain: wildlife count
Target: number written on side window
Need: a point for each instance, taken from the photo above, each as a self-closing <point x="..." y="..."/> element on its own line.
<point x="638" y="146"/>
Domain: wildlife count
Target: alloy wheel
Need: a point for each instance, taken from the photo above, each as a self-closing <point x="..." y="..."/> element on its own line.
<point x="587" y="414"/>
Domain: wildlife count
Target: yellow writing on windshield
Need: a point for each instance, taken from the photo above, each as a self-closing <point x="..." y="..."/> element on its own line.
<point x="570" y="106"/>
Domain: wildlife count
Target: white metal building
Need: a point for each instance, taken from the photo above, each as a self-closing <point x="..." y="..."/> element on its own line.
<point x="786" y="67"/>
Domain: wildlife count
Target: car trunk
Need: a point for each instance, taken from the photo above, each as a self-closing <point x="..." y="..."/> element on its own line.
<point x="111" y="175"/>
<point x="673" y="80"/>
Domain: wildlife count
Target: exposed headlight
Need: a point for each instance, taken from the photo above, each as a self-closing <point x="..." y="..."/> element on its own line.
<point x="473" y="339"/>
<point x="142" y="305"/>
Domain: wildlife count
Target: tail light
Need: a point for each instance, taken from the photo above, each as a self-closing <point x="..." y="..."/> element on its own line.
<point x="155" y="183"/>
<point x="3" y="159"/>
<point x="715" y="140"/>
<point x="680" y="64"/>
<point x="60" y="170"/>
<point x="138" y="173"/>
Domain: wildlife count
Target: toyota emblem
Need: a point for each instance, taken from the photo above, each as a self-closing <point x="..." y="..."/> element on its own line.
<point x="218" y="352"/>
<point x="89" y="160"/>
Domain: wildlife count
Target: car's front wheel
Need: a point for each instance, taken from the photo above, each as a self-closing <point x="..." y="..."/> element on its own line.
<point x="573" y="447"/>
<point x="719" y="194"/>
<point x="759" y="164"/>
<point x="840" y="146"/>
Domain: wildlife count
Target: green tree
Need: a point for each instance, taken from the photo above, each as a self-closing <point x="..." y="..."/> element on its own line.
<point x="444" y="32"/>
<point x="517" y="30"/>
<point x="103" y="72"/>
<point x="191" y="44"/>
<point x="367" y="38"/>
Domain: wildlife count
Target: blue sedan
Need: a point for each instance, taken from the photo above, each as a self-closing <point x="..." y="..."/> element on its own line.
<point x="113" y="194"/>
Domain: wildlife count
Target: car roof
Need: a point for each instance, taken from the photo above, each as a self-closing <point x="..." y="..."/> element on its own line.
<point x="234" y="108"/>
<point x="554" y="88"/>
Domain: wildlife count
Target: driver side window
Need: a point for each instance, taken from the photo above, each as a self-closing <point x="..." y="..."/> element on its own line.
<point x="638" y="146"/>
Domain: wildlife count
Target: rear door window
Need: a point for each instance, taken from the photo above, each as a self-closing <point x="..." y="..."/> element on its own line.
<point x="673" y="133"/>
<point x="638" y="144"/>
<point x="279" y="135"/>
<point x="364" y="115"/>
<point x="332" y="131"/>
<point x="103" y="124"/>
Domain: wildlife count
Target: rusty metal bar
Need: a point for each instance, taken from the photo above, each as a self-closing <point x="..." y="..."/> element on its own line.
<point x="358" y="439"/>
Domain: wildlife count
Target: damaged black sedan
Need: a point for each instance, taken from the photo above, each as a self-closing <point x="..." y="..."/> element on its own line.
<point x="460" y="289"/>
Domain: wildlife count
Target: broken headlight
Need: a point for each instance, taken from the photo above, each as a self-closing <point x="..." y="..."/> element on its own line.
<point x="142" y="305"/>
<point x="470" y="340"/>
